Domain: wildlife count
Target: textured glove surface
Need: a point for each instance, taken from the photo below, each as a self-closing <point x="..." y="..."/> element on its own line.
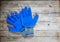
<point x="14" y="20"/>
<point x="26" y="17"/>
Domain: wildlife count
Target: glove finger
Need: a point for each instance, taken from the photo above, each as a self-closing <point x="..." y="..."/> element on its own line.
<point x="22" y="13"/>
<point x="13" y="29"/>
<point x="29" y="12"/>
<point x="25" y="11"/>
<point x="13" y="16"/>
<point x="9" y="21"/>
<point x="34" y="20"/>
<point x="10" y="18"/>
<point x="17" y="15"/>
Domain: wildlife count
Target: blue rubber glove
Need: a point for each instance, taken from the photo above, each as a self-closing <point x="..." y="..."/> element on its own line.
<point x="15" y="21"/>
<point x="28" y="21"/>
<point x="26" y="17"/>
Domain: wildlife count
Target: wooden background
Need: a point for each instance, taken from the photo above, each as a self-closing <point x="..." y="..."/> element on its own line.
<point x="47" y="28"/>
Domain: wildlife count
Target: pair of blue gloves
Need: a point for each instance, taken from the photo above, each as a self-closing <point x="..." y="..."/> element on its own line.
<point x="22" y="22"/>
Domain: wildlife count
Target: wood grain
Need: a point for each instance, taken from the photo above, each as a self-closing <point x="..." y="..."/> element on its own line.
<point x="47" y="28"/>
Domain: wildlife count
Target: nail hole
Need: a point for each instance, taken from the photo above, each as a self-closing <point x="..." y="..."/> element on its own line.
<point x="48" y="24"/>
<point x="50" y="6"/>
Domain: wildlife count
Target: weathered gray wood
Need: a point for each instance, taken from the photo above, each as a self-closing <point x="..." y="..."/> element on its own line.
<point x="47" y="28"/>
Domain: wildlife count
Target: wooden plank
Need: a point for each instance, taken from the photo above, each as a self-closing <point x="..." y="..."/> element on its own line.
<point x="37" y="33"/>
<point x="34" y="39"/>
